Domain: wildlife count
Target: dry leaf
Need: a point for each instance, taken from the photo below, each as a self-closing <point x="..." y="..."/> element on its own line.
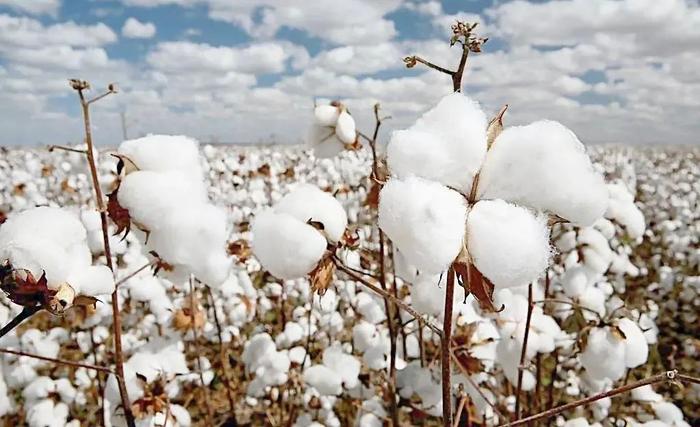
<point x="322" y="276"/>
<point x="240" y="249"/>
<point x="495" y="127"/>
<point x="119" y="215"/>
<point x="22" y="288"/>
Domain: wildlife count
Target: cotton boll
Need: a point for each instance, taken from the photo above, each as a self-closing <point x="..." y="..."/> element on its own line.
<point x="325" y="380"/>
<point x="508" y="244"/>
<point x="147" y="153"/>
<point x="425" y="220"/>
<point x="309" y="203"/>
<point x="447" y="144"/>
<point x="544" y="166"/>
<point x="604" y="356"/>
<point x="574" y="281"/>
<point x="326" y="115"/>
<point x="92" y="280"/>
<point x="345" y="128"/>
<point x="285" y="246"/>
<point x="347" y="366"/>
<point x="636" y="347"/>
<point x="427" y="297"/>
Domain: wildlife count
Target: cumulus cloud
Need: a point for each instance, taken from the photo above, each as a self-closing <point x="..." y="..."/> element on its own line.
<point x="135" y="29"/>
<point x="34" y="7"/>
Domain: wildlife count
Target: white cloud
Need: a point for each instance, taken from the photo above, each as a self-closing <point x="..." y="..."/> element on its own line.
<point x="34" y="7"/>
<point x="135" y="29"/>
<point x="30" y="33"/>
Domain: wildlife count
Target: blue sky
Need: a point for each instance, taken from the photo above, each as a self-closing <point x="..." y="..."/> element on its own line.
<point x="248" y="71"/>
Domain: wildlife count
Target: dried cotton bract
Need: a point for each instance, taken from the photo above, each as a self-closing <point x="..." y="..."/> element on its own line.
<point x="164" y="193"/>
<point x="290" y="239"/>
<point x="438" y="165"/>
<point x="47" y="247"/>
<point x="332" y="130"/>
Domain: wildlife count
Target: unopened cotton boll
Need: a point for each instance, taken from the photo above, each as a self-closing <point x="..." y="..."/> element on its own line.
<point x="508" y="244"/>
<point x="544" y="166"/>
<point x="425" y="220"/>
<point x="447" y="144"/>
<point x="345" y="128"/>
<point x="309" y="203"/>
<point x="636" y="347"/>
<point x="286" y="247"/>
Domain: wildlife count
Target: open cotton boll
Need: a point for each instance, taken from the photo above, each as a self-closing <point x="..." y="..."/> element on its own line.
<point x="309" y="203"/>
<point x="324" y="142"/>
<point x="326" y="115"/>
<point x="636" y="347"/>
<point x="544" y="166"/>
<point x="161" y="153"/>
<point x="151" y="196"/>
<point x="622" y="209"/>
<point x="604" y="356"/>
<point x="345" y="365"/>
<point x="286" y="247"/>
<point x="92" y="280"/>
<point x="425" y="220"/>
<point x="345" y="128"/>
<point x="447" y="144"/>
<point x="508" y="244"/>
<point x="324" y="379"/>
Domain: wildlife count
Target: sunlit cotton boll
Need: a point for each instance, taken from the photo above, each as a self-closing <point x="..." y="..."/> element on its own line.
<point x="544" y="166"/>
<point x="636" y="347"/>
<point x="447" y="144"/>
<point x="508" y="244"/>
<point x="148" y="154"/>
<point x="604" y="355"/>
<point x="333" y="127"/>
<point x="425" y="220"/>
<point x="285" y="240"/>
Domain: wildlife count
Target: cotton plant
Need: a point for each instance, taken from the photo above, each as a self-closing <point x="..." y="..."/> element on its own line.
<point x="48" y="400"/>
<point x="337" y="371"/>
<point x="463" y="193"/>
<point x="269" y="365"/>
<point x="333" y="130"/>
<point x="45" y="261"/>
<point x="163" y="199"/>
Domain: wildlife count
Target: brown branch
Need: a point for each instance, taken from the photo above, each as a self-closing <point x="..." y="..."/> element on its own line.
<point x="99" y="199"/>
<point x="412" y="60"/>
<point x="664" y="376"/>
<point x="72" y="150"/>
<point x="376" y="289"/>
<point x="59" y="361"/>
<point x="445" y="352"/>
<point x="134" y="273"/>
<point x="23" y="315"/>
<point x="198" y="352"/>
<point x="476" y="386"/>
<point x="523" y="351"/>
<point x="457" y="76"/>
<point x="222" y="351"/>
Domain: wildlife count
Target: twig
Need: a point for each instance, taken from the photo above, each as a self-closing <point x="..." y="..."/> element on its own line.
<point x="571" y="303"/>
<point x="23" y="315"/>
<point x="59" y="361"/>
<point x="523" y="351"/>
<point x="476" y="387"/>
<point x="460" y="407"/>
<point x="72" y="150"/>
<point x="222" y="351"/>
<point x="376" y="289"/>
<point x="195" y="336"/>
<point x="664" y="376"/>
<point x="428" y="64"/>
<point x="134" y="273"/>
<point x="99" y="199"/>
<point x="446" y="344"/>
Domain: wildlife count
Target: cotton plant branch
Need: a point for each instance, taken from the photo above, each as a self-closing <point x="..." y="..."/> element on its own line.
<point x="80" y="86"/>
<point x="23" y="315"/>
<point x="58" y="361"/>
<point x="222" y="351"/>
<point x="198" y="352"/>
<point x="523" y="351"/>
<point x="670" y="376"/>
<point x="446" y="351"/>
<point x="462" y="35"/>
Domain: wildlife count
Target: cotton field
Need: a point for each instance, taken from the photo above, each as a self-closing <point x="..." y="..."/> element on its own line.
<point x="211" y="337"/>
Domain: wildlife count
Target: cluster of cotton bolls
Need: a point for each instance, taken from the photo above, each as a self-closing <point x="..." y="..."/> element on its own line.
<point x="324" y="359"/>
<point x="166" y="198"/>
<point x="332" y="130"/>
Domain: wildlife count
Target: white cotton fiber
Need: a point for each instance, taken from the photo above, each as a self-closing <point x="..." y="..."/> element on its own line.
<point x="508" y="244"/>
<point x="346" y="365"/>
<point x="544" y="166"/>
<point x="621" y="209"/>
<point x="309" y="203"/>
<point x="636" y="347"/>
<point x="447" y="144"/>
<point x="286" y="247"/>
<point x="425" y="220"/>
<point x="345" y="128"/>
<point x="92" y="280"/>
<point x="604" y="356"/>
<point x="161" y="153"/>
<point x="326" y="115"/>
<point x="324" y="379"/>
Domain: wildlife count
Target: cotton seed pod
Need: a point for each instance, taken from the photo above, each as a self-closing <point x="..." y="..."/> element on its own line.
<point x="345" y="128"/>
<point x="63" y="299"/>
